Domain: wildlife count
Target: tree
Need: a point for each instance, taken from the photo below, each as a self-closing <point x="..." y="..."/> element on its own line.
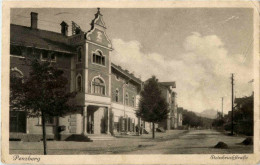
<point x="191" y="119"/>
<point x="43" y="94"/>
<point x="244" y="115"/>
<point x="152" y="106"/>
<point x="219" y="121"/>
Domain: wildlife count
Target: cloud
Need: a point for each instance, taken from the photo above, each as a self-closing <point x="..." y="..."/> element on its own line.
<point x="202" y="72"/>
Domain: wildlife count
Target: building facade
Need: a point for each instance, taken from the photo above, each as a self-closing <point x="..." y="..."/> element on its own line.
<point x="173" y="121"/>
<point x="107" y="95"/>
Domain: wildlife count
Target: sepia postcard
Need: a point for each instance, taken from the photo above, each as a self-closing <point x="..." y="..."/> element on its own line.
<point x="128" y="82"/>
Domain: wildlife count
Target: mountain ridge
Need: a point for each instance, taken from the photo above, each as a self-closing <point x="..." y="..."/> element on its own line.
<point x="208" y="113"/>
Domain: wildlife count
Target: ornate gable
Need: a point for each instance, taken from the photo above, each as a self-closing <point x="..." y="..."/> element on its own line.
<point x="99" y="21"/>
<point x="97" y="32"/>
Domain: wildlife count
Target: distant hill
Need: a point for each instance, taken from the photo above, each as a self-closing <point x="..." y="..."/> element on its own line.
<point x="208" y="113"/>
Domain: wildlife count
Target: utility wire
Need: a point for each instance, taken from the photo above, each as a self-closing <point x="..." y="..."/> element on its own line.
<point x="245" y="53"/>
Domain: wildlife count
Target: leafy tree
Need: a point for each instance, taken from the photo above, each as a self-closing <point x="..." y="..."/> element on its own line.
<point x="192" y="119"/>
<point x="15" y="91"/>
<point x="219" y="121"/>
<point x="152" y="106"/>
<point x="244" y="115"/>
<point x="43" y="94"/>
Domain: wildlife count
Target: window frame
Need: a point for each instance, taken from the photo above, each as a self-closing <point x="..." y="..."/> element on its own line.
<point x="77" y="85"/>
<point x="15" y="48"/>
<point x="100" y="54"/>
<point x="117" y="95"/>
<point x="15" y="69"/>
<point x="133" y="101"/>
<point x="49" y="54"/>
<point x="46" y="121"/>
<point x="43" y="58"/>
<point x="127" y="99"/>
<point x="117" y="77"/>
<point x="79" y="50"/>
<point x="98" y="87"/>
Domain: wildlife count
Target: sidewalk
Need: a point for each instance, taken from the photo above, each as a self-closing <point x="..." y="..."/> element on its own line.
<point x="122" y="143"/>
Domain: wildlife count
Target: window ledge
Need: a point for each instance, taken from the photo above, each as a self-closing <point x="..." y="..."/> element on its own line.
<point x="17" y="56"/>
<point x="99" y="95"/>
<point x="46" y="125"/>
<point x="99" y="64"/>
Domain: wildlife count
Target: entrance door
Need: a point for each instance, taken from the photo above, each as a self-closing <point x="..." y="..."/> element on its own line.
<point x="90" y="123"/>
<point x="17" y="121"/>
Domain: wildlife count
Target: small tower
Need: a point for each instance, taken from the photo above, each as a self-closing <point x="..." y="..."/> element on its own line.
<point x="64" y="28"/>
<point x="97" y="32"/>
<point x="98" y="20"/>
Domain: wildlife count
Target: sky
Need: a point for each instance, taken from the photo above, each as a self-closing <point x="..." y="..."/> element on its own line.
<point x="198" y="48"/>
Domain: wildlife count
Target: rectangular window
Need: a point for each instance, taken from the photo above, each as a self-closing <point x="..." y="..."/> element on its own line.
<point x="53" y="57"/>
<point x="133" y="102"/>
<point x="96" y="90"/>
<point x="15" y="50"/>
<point x="116" y="97"/>
<point x="102" y="90"/>
<point x="44" y="55"/>
<point x="29" y="51"/>
<point x="94" y="58"/>
<point x="103" y="60"/>
<point x="116" y="126"/>
<point x="98" y="59"/>
<point x="48" y="120"/>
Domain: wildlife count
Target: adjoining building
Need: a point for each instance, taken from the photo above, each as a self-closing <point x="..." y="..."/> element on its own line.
<point x="173" y="121"/>
<point x="179" y="117"/>
<point x="107" y="94"/>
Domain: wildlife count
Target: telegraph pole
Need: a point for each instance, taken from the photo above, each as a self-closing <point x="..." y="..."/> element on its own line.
<point x="232" y="102"/>
<point x="222" y="106"/>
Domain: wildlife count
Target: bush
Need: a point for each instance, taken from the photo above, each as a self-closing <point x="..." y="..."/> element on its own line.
<point x="221" y="145"/>
<point x="160" y="129"/>
<point x="248" y="141"/>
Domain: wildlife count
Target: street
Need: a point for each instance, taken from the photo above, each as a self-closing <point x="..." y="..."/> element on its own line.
<point x="171" y="142"/>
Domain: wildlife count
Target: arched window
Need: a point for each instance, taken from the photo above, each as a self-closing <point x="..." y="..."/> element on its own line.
<point x="79" y="83"/>
<point x="117" y="95"/>
<point x="98" y="86"/>
<point x="126" y="99"/>
<point x="117" y="78"/>
<point x="79" y="57"/>
<point x="16" y="75"/>
<point x="98" y="58"/>
<point x="133" y="101"/>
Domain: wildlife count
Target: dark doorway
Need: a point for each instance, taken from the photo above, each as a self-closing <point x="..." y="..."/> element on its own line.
<point x="90" y="123"/>
<point x="18" y="121"/>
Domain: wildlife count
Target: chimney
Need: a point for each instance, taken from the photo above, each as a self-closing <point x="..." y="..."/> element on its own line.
<point x="34" y="20"/>
<point x="64" y="28"/>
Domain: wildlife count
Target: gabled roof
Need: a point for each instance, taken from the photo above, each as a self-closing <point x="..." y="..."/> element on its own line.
<point x="168" y="84"/>
<point x="127" y="74"/>
<point x="41" y="39"/>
